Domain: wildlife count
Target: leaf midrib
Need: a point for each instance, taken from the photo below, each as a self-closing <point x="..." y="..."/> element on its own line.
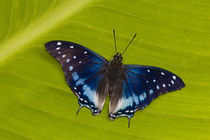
<point x="47" y="22"/>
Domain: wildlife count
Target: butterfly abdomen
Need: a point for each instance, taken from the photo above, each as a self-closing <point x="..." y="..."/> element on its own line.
<point x="116" y="74"/>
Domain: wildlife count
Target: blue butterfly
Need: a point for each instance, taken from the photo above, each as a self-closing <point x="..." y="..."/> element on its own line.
<point x="91" y="78"/>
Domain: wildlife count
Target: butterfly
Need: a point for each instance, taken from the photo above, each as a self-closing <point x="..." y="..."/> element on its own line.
<point x="92" y="78"/>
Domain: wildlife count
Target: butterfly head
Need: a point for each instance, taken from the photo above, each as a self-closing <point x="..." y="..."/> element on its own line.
<point x="117" y="58"/>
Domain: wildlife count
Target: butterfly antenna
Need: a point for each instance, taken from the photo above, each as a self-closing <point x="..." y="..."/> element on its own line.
<point x="114" y="40"/>
<point x="129" y="44"/>
<point x="79" y="109"/>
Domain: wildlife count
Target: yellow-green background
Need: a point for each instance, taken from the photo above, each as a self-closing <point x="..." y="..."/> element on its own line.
<point x="35" y="101"/>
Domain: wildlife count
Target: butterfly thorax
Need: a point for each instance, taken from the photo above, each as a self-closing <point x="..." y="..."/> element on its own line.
<point x="115" y="67"/>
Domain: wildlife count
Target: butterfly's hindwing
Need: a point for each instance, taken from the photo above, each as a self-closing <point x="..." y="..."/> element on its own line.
<point x="141" y="85"/>
<point x="84" y="72"/>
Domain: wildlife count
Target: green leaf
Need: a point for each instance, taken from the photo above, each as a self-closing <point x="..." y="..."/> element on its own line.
<point x="35" y="101"/>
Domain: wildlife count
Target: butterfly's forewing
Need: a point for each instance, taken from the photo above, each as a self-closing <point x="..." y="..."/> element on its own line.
<point x="141" y="85"/>
<point x="84" y="72"/>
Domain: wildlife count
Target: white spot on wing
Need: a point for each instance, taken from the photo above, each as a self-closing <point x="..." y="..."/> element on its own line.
<point x="174" y="77"/>
<point x="80" y="62"/>
<point x="70" y="68"/>
<point x="74" y="57"/>
<point x="59" y="52"/>
<point x="136" y="100"/>
<point x="75" y="76"/>
<point x="85" y="52"/>
<point x="63" y="55"/>
<point x="144" y="95"/>
<point x="150" y="91"/>
<point x="164" y="85"/>
<point x="172" y="81"/>
<point x="154" y="80"/>
<point x="157" y="87"/>
<point x="58" y="43"/>
<point x="58" y="48"/>
<point x="162" y="73"/>
<point x="67" y="60"/>
<point x="72" y="47"/>
<point x="148" y="70"/>
<point x="141" y="97"/>
<point x="80" y="82"/>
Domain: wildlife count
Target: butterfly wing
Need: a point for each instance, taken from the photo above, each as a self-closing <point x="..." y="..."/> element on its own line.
<point x="140" y="86"/>
<point x="84" y="72"/>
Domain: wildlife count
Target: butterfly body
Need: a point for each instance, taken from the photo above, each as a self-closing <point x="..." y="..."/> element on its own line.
<point x="92" y="78"/>
<point x="115" y="67"/>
